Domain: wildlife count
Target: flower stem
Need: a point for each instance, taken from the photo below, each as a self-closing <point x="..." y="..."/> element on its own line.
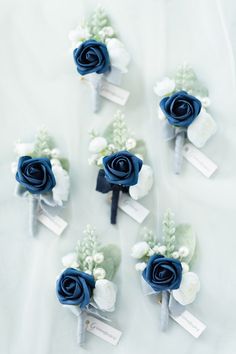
<point x="114" y="204"/>
<point x="165" y="310"/>
<point x="81" y="328"/>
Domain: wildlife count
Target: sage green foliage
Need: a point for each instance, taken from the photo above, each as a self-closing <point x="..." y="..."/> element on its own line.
<point x="97" y="21"/>
<point x="112" y="258"/>
<point x="185" y="236"/>
<point x="89" y="246"/>
<point x="173" y="238"/>
<point x="168" y="229"/>
<point x="43" y="148"/>
<point x="148" y="236"/>
<point x="186" y="79"/>
<point x="43" y="144"/>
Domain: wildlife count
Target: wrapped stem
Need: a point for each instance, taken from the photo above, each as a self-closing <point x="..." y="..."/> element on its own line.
<point x="96" y="80"/>
<point x="179" y="144"/>
<point x="96" y="98"/>
<point x="164" y="310"/>
<point x="81" y="328"/>
<point x="33" y="213"/>
<point x="114" y="204"/>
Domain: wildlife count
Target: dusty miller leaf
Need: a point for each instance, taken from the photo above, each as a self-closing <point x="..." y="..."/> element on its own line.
<point x="112" y="258"/>
<point x="185" y="236"/>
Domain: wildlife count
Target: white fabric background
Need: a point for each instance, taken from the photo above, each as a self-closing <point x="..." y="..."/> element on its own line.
<point x="39" y="85"/>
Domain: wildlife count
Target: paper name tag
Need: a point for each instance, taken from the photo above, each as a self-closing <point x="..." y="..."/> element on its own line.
<point x="190" y="323"/>
<point x="131" y="207"/>
<point x="53" y="223"/>
<point x="206" y="166"/>
<point x="114" y="93"/>
<point x="103" y="330"/>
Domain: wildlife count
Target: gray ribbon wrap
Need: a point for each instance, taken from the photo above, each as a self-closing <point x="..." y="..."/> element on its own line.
<point x="96" y="81"/>
<point x="81" y="315"/>
<point x="169" y="306"/>
<point x="37" y="202"/>
<point x="178" y="134"/>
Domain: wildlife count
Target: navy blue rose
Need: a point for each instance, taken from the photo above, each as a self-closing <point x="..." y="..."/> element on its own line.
<point x="181" y="108"/>
<point x="122" y="168"/>
<point x="75" y="287"/>
<point x="163" y="273"/>
<point x="92" y="57"/>
<point x="35" y="174"/>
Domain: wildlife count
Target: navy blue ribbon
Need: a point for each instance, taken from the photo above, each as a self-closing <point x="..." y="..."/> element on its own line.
<point x="104" y="186"/>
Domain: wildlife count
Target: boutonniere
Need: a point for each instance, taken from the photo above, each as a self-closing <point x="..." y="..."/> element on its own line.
<point x="120" y="158"/>
<point x="42" y="178"/>
<point x="85" y="286"/>
<point x="184" y="111"/>
<point x="165" y="270"/>
<point x="100" y="58"/>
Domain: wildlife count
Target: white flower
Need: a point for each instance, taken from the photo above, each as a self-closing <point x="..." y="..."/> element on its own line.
<point x="61" y="190"/>
<point x="160" y="113"/>
<point x="98" y="258"/>
<point x="106" y="31"/>
<point x="78" y="35"/>
<point x="119" y="57"/>
<point x="92" y="159"/>
<point x="104" y="294"/>
<point x="162" y="250"/>
<point x="99" y="273"/>
<point x="150" y="252"/>
<point x="189" y="287"/>
<point x="99" y="161"/>
<point x="69" y="259"/>
<point x="201" y="129"/>
<point x="97" y="144"/>
<point x="183" y="251"/>
<point x="55" y="153"/>
<point x="111" y="147"/>
<point x="140" y="266"/>
<point x="156" y="249"/>
<point x="145" y="182"/>
<point x="140" y="249"/>
<point x="185" y="267"/>
<point x="164" y="87"/>
<point x="55" y="162"/>
<point x="24" y="149"/>
<point x="130" y="143"/>
<point x="175" y="255"/>
<point x="89" y="259"/>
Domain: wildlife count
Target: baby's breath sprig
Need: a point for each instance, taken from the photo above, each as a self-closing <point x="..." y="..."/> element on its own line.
<point x="97" y="22"/>
<point x="186" y="79"/>
<point x="120" y="131"/>
<point x="86" y="248"/>
<point x="43" y="143"/>
<point x="168" y="229"/>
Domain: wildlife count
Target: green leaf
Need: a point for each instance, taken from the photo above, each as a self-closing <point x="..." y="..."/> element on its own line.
<point x="65" y="164"/>
<point x="185" y="236"/>
<point x="112" y="258"/>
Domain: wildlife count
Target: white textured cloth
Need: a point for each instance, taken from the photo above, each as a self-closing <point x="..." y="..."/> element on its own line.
<point x="40" y="86"/>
